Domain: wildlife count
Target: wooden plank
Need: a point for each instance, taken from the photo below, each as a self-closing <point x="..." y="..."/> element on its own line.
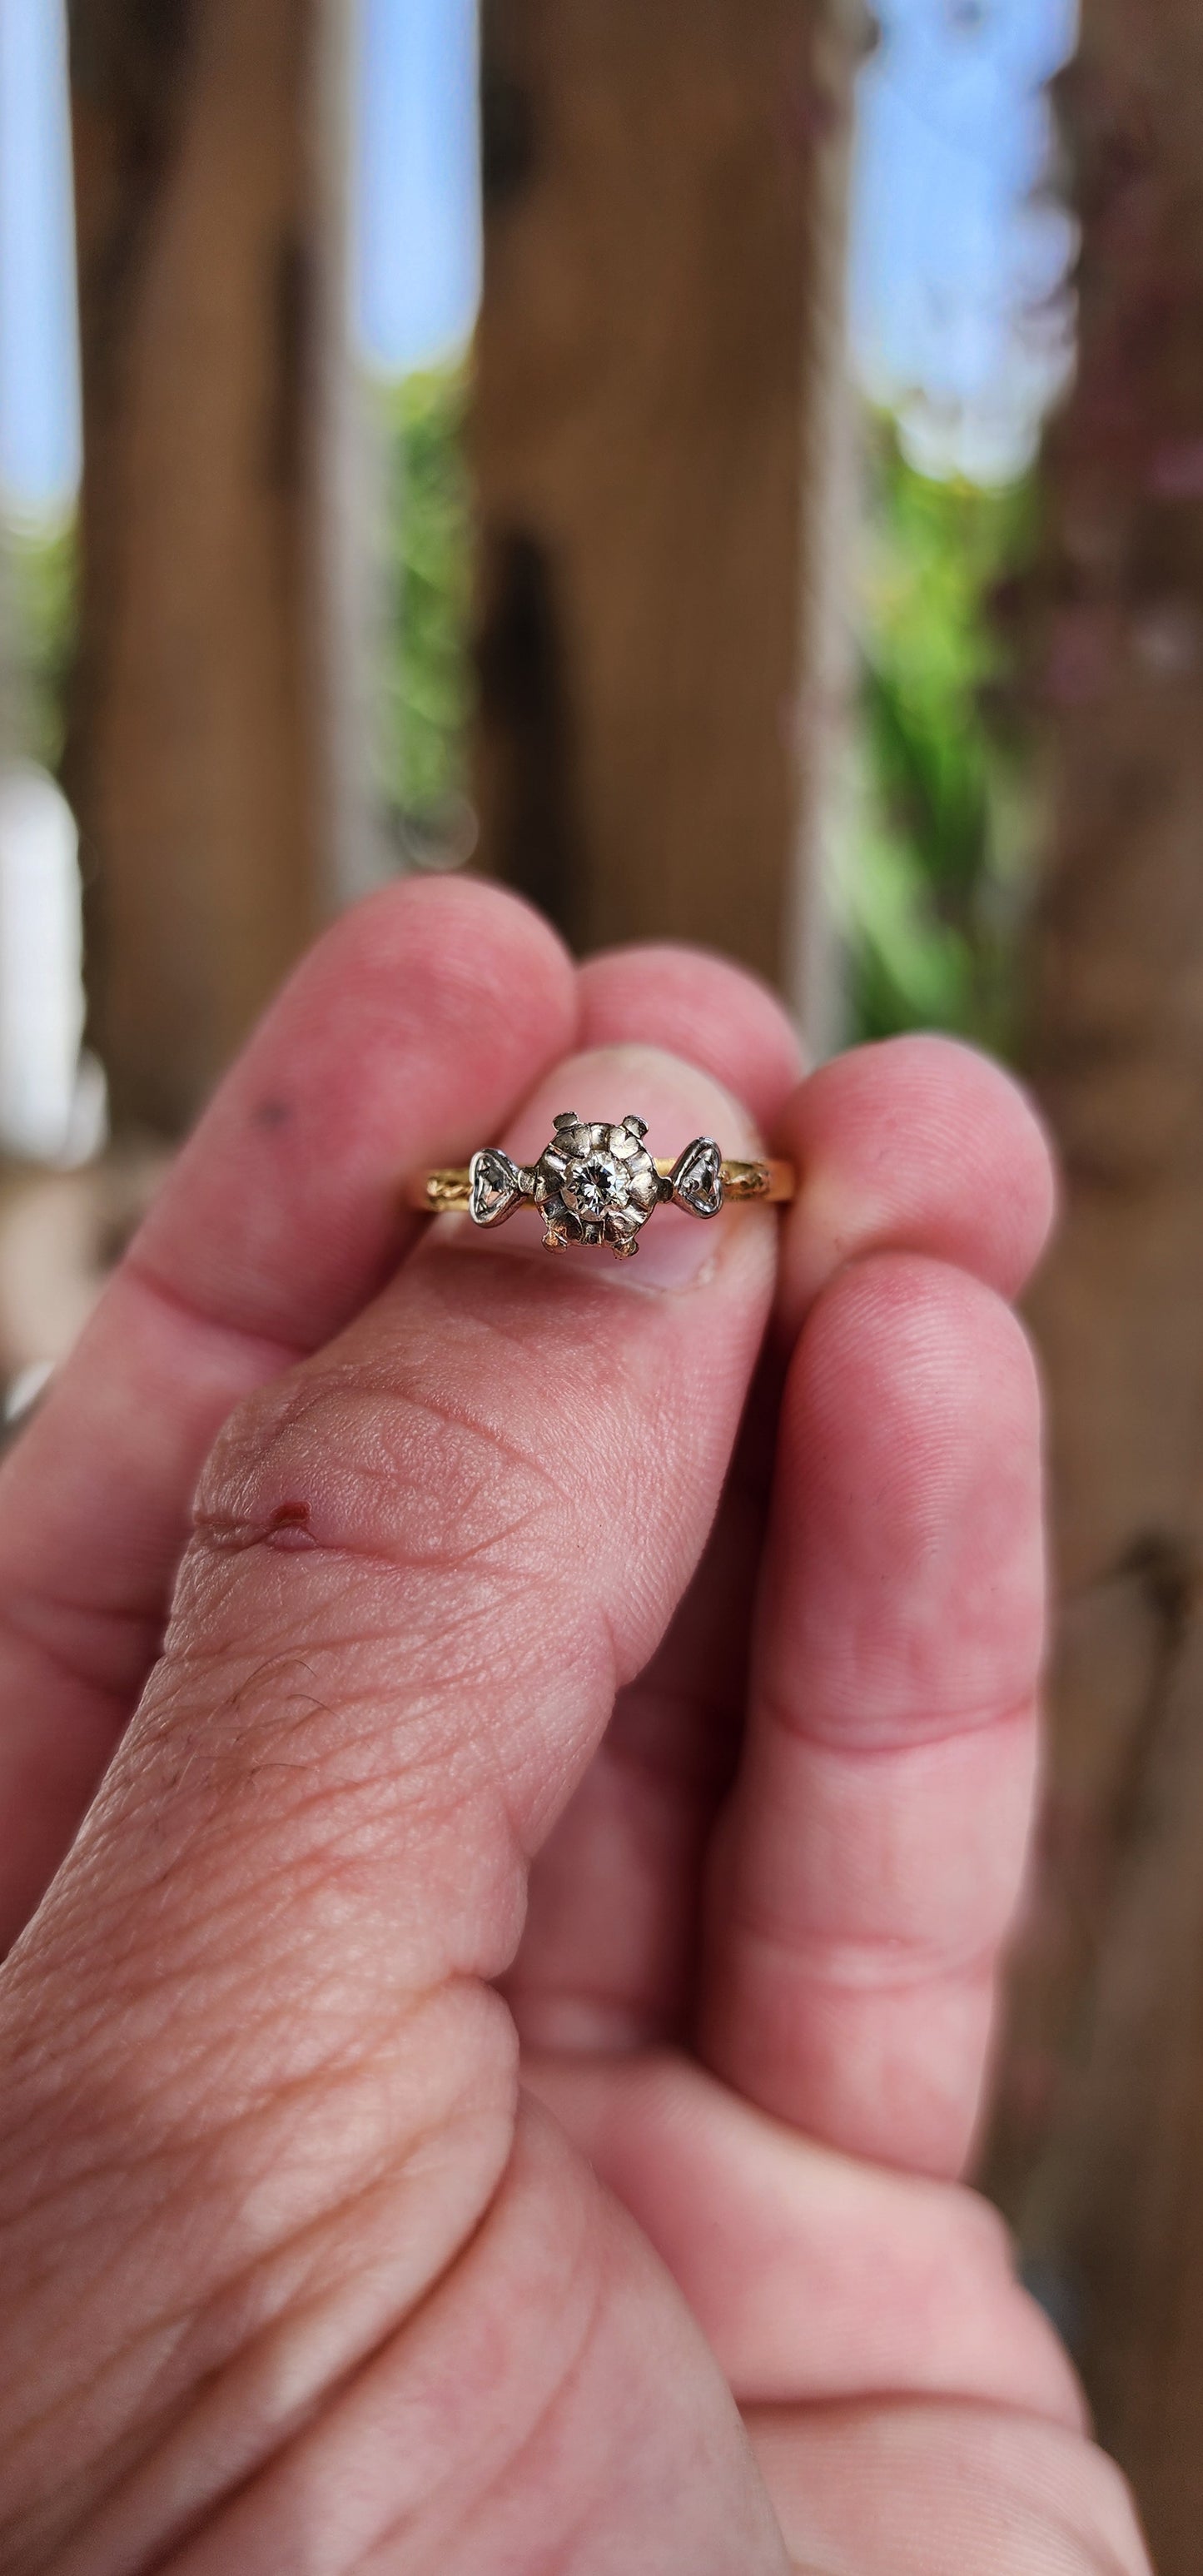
<point x="201" y="758"/>
<point x="1098" y="2145"/>
<point x="655" y="432"/>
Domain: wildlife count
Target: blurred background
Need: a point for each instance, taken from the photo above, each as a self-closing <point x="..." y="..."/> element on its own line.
<point x="735" y="473"/>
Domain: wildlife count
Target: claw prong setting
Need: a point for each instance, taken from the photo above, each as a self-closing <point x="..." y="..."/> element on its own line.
<point x="595" y="1183"/>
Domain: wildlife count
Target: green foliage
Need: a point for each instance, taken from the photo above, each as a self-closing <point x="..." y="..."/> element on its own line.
<point x="931" y="880"/>
<point x="932" y="872"/>
<point x="39" y="574"/>
<point x="425" y="679"/>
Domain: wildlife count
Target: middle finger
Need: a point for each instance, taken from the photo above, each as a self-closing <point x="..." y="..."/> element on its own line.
<point x="869" y="1863"/>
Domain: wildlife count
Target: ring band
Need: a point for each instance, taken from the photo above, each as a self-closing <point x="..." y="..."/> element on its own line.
<point x="596" y="1183"/>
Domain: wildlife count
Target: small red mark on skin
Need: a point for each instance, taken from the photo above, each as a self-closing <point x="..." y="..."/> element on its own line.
<point x="289" y="1526"/>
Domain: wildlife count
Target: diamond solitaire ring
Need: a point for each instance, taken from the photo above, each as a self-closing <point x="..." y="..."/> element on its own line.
<point x="597" y="1183"/>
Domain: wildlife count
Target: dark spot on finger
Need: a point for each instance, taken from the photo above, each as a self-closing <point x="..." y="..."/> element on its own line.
<point x="289" y="1526"/>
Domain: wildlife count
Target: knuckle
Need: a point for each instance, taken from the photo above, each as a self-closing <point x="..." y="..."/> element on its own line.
<point x="343" y="1462"/>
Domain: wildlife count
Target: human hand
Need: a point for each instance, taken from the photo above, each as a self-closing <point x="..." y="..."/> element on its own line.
<point x="495" y="1707"/>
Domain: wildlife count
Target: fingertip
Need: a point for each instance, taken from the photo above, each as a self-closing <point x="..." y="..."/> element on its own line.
<point x="405" y="1037"/>
<point x="917" y="1144"/>
<point x="702" y="1008"/>
<point x="464" y="929"/>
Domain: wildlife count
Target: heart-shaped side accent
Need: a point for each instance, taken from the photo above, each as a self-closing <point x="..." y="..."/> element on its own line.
<point x="697" y="1177"/>
<point x="497" y="1187"/>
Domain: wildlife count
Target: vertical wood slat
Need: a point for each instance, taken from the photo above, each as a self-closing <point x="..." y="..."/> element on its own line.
<point x="1098" y="2148"/>
<point x="201" y="754"/>
<point x="657" y="184"/>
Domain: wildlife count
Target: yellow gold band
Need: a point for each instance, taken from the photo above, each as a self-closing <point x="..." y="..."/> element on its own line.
<point x="436" y="1193"/>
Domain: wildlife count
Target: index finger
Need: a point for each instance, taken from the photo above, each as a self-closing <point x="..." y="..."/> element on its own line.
<point x="397" y="1042"/>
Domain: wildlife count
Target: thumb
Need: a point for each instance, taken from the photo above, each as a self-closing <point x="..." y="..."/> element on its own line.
<point x="254" y="2057"/>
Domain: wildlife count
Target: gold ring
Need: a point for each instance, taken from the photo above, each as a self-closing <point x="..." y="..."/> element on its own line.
<point x="597" y="1183"/>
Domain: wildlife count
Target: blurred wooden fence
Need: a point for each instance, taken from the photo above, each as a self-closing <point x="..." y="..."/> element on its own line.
<point x="1098" y="2151"/>
<point x="658" y="438"/>
<point x="203" y="760"/>
<point x="658" y="449"/>
<point x="658" y="446"/>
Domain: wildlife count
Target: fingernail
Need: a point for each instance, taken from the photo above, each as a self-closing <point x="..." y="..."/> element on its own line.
<point x="674" y="1251"/>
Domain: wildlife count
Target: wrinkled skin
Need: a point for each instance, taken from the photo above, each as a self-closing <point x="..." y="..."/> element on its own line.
<point x="482" y="2090"/>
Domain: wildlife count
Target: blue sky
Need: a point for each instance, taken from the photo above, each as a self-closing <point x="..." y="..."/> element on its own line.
<point x="956" y="261"/>
<point x="951" y="269"/>
<point x="416" y="178"/>
<point x="39" y="392"/>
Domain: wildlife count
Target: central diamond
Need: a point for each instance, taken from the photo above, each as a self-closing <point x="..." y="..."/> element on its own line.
<point x="595" y="1185"/>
